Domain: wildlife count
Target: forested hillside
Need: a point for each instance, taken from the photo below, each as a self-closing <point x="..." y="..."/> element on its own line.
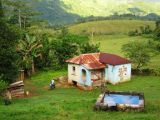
<point x="69" y="11"/>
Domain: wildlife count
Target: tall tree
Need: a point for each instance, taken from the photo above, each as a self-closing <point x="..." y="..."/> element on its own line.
<point x="63" y="50"/>
<point x="8" y="55"/>
<point x="21" y="12"/>
<point x="1" y="10"/>
<point x="29" y="49"/>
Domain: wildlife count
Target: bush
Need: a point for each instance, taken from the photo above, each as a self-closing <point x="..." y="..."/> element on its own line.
<point x="157" y="31"/>
<point x="3" y="85"/>
<point x="142" y="30"/>
<point x="145" y="30"/>
<point x="133" y="33"/>
<point x="146" y="71"/>
<point x="89" y="48"/>
<point x="156" y="72"/>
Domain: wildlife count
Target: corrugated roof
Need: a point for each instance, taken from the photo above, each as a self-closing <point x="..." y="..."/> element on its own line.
<point x="112" y="59"/>
<point x="97" y="60"/>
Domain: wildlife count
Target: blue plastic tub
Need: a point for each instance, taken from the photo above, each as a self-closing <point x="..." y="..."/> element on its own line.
<point x="120" y="101"/>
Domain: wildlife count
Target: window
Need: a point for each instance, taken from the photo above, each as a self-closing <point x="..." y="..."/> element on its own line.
<point x="84" y="75"/>
<point x="73" y="70"/>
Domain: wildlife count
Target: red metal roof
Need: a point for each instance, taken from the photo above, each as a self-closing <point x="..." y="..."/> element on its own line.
<point x="112" y="59"/>
<point x="97" y="60"/>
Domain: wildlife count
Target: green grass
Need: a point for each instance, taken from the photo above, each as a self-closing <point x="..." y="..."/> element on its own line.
<point x="74" y="104"/>
<point x="114" y="43"/>
<point x="109" y="27"/>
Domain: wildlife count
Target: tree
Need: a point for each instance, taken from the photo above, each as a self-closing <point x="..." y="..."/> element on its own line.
<point x="63" y="50"/>
<point x="89" y="48"/>
<point x="29" y="49"/>
<point x="1" y="10"/>
<point x="45" y="51"/>
<point x="20" y="12"/>
<point x="8" y="55"/>
<point x="157" y="31"/>
<point x="138" y="52"/>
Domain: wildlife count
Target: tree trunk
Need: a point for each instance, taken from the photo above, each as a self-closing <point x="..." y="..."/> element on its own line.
<point x="24" y="22"/>
<point x="19" y="18"/>
<point x="1" y="10"/>
<point x="33" y="68"/>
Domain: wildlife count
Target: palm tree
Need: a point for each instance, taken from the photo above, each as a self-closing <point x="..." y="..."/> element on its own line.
<point x="29" y="49"/>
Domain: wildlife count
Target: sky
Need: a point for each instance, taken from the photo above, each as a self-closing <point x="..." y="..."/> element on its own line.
<point x="152" y="0"/>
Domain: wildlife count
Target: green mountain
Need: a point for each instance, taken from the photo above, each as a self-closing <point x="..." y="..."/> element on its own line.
<point x="68" y="11"/>
<point x="109" y="7"/>
<point x="52" y="11"/>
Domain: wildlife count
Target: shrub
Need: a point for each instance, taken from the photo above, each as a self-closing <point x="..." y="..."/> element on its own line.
<point x="89" y="48"/>
<point x="156" y="72"/>
<point x="146" y="71"/>
<point x="3" y="85"/>
<point x="138" y="52"/>
<point x="145" y="30"/>
<point x="133" y="33"/>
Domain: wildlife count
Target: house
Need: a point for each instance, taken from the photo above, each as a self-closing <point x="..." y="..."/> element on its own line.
<point x="94" y="68"/>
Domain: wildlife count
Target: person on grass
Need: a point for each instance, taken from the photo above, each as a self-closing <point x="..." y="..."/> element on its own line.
<point x="52" y="84"/>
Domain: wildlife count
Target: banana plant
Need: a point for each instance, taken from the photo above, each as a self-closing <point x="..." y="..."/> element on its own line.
<point x="29" y="49"/>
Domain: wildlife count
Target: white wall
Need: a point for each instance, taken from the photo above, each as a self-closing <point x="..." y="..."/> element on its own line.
<point x="118" y="73"/>
<point x="71" y="76"/>
<point x="78" y="74"/>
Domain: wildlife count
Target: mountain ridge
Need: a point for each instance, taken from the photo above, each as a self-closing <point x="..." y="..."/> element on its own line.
<point x="69" y="11"/>
<point x="109" y="7"/>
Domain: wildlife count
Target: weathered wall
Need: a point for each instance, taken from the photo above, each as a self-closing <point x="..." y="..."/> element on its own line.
<point x="118" y="73"/>
<point x="77" y="76"/>
<point x="88" y="81"/>
<point x="96" y="74"/>
<point x="71" y="76"/>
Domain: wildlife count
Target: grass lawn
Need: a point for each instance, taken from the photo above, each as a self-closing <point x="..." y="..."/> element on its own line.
<point x="74" y="104"/>
<point x="109" y="26"/>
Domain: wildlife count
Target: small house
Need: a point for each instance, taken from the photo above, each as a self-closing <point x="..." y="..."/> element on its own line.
<point x="94" y="68"/>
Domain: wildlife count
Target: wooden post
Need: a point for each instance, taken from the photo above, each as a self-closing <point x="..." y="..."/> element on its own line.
<point x="21" y="75"/>
<point x="103" y="86"/>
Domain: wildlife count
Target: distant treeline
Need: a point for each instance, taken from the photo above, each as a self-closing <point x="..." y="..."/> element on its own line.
<point x="151" y="17"/>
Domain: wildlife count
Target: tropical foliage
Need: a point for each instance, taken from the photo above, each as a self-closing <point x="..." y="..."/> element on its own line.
<point x="29" y="49"/>
<point x="8" y="41"/>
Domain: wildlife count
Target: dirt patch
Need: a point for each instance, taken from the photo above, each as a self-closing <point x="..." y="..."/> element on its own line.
<point x="59" y="84"/>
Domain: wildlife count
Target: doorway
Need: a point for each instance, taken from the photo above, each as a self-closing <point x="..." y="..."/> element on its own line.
<point x="84" y="75"/>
